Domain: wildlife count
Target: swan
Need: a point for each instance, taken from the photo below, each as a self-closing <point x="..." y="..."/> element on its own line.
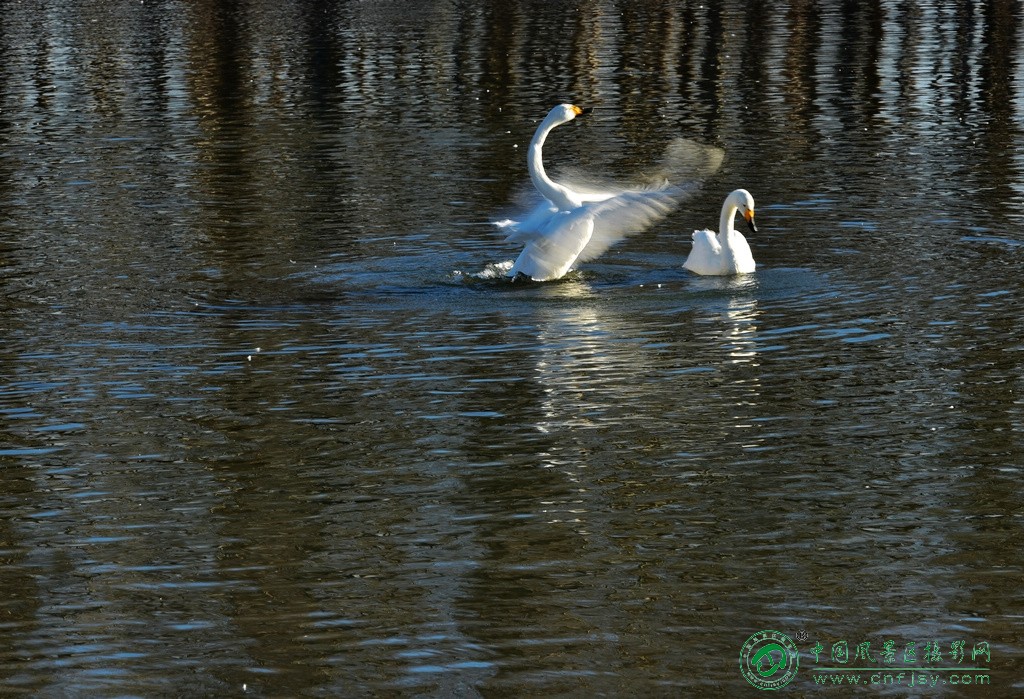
<point x="570" y="226"/>
<point x="728" y="252"/>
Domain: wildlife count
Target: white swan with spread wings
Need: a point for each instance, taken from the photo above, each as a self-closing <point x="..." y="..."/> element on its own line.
<point x="571" y="227"/>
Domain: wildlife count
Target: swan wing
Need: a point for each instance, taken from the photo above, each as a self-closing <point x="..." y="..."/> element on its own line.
<point x="624" y="214"/>
<point x="533" y="225"/>
<point x="551" y="253"/>
<point x="706" y="254"/>
<point x="591" y="197"/>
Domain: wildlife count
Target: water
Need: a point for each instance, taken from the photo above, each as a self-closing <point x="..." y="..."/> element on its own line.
<point x="265" y="433"/>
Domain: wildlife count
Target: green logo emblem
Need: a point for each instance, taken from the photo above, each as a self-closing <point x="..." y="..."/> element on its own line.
<point x="769" y="660"/>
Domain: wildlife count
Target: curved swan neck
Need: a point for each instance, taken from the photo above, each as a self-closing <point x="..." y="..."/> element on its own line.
<point x="555" y="193"/>
<point x="727" y="219"/>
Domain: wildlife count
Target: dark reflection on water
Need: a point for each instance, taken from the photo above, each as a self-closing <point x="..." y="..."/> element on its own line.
<point x="264" y="431"/>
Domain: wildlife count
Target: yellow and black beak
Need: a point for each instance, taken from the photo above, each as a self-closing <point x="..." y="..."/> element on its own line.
<point x="749" y="216"/>
<point x="582" y="111"/>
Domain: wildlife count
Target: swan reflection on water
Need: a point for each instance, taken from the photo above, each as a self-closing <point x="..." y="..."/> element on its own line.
<point x="593" y="358"/>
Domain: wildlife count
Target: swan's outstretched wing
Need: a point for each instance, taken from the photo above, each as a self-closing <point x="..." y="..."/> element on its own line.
<point x="550" y="253"/>
<point x="568" y="238"/>
<point x="542" y="217"/>
<point x="684" y="163"/>
<point x="686" y="159"/>
<point x="531" y="225"/>
<point x="625" y="214"/>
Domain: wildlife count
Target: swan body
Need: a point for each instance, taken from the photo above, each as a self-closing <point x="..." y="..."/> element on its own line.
<point x="728" y="252"/>
<point x="571" y="226"/>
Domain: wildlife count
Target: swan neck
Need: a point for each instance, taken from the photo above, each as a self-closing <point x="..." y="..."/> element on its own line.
<point x="726" y="221"/>
<point x="551" y="191"/>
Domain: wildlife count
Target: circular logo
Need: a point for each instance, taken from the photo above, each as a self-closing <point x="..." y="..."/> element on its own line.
<point x="769" y="660"/>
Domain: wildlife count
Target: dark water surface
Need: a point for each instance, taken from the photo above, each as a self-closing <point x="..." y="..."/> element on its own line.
<point x="265" y="433"/>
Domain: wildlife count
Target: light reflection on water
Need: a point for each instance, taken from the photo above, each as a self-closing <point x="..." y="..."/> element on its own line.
<point x="263" y="427"/>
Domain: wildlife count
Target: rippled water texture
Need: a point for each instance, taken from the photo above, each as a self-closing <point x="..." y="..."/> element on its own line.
<point x="266" y="432"/>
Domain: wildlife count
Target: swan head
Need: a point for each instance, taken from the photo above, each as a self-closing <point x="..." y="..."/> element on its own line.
<point x="563" y="113"/>
<point x="744" y="203"/>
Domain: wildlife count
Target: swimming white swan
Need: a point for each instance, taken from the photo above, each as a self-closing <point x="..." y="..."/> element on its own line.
<point x="571" y="226"/>
<point x="728" y="252"/>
